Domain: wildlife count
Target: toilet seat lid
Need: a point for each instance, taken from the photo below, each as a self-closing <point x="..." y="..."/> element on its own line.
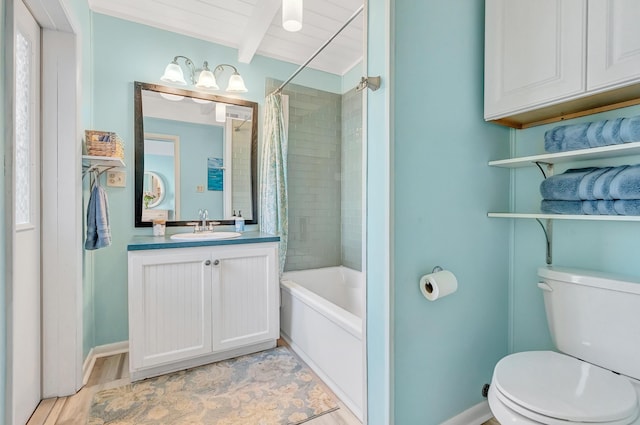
<point x="558" y="386"/>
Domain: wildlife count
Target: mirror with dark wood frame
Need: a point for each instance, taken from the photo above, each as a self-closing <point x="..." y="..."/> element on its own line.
<point x="202" y="148"/>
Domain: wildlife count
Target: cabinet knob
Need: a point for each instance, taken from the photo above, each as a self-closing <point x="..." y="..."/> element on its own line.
<point x="207" y="263"/>
<point x="216" y="262"/>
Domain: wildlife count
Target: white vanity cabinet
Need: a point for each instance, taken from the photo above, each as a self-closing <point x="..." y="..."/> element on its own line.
<point x="194" y="305"/>
<point x="548" y="59"/>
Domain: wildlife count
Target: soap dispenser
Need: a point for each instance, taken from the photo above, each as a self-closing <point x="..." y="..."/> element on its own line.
<point x="239" y="222"/>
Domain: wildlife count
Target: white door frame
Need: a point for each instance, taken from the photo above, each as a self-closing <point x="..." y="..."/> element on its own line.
<point x="61" y="200"/>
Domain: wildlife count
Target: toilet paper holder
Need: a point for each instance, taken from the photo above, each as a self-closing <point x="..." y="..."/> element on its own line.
<point x="428" y="286"/>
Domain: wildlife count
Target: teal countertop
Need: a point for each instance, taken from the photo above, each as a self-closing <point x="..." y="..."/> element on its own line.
<point x="140" y="243"/>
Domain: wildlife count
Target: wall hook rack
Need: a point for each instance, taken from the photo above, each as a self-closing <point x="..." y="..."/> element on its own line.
<point x="99" y="164"/>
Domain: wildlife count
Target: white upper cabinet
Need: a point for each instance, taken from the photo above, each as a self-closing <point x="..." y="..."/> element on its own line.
<point x="613" y="55"/>
<point x="547" y="60"/>
<point x="534" y="53"/>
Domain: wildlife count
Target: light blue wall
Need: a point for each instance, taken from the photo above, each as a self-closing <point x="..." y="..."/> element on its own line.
<point x="445" y="351"/>
<point x="352" y="77"/>
<point x="603" y="246"/>
<point x="378" y="210"/>
<point x="123" y="52"/>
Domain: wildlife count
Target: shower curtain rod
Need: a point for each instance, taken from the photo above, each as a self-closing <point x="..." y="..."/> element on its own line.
<point x="304" y="65"/>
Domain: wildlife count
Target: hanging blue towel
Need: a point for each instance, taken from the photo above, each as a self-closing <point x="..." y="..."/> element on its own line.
<point x="98" y="230"/>
<point x="602" y="185"/>
<point x="561" y="207"/>
<point x="565" y="186"/>
<point x="585" y="188"/>
<point x="626" y="184"/>
<point x="627" y="206"/>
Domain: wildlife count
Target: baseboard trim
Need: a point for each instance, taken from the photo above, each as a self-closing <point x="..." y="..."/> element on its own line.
<point x="101" y="351"/>
<point x="475" y="415"/>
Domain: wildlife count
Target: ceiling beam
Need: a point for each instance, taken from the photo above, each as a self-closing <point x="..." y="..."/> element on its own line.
<point x="257" y="27"/>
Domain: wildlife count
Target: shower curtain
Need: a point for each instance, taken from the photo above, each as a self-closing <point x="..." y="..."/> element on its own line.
<point x="273" y="174"/>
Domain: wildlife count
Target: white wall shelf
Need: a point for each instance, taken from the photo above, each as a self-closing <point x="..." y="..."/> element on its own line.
<point x="100" y="163"/>
<point x="541" y="216"/>
<point x="611" y="151"/>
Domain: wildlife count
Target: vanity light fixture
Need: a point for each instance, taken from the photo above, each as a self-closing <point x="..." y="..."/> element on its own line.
<point x="292" y="15"/>
<point x="202" y="77"/>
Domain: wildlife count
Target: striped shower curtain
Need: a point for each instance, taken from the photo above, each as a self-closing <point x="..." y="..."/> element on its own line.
<point x="273" y="174"/>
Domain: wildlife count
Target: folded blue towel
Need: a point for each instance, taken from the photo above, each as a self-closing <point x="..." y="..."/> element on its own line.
<point x="593" y="134"/>
<point x="601" y="187"/>
<point x="606" y="208"/>
<point x="630" y="129"/>
<point x="585" y="188"/>
<point x="626" y="184"/>
<point x="627" y="207"/>
<point x="565" y="186"/>
<point x="566" y="137"/>
<point x="561" y="207"/>
<point x="98" y="230"/>
<point x="590" y="207"/>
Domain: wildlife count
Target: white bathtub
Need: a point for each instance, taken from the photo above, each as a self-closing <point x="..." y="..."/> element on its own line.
<point x="321" y="319"/>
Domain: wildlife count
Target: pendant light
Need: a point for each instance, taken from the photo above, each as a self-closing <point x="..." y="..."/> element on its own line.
<point x="292" y="15"/>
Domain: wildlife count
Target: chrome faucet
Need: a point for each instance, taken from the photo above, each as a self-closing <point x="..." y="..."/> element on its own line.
<point x="203" y="215"/>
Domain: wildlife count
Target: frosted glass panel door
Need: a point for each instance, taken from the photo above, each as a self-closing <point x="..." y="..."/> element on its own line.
<point x="24" y="320"/>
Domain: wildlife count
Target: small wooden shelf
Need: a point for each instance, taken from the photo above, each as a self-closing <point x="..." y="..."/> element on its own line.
<point x="611" y="151"/>
<point x="542" y="216"/>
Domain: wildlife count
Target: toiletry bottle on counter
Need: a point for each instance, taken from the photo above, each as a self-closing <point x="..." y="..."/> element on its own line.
<point x="239" y="222"/>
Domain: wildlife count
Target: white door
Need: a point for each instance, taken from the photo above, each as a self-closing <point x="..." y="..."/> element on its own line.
<point x="614" y="43"/>
<point x="534" y="54"/>
<point x="24" y="323"/>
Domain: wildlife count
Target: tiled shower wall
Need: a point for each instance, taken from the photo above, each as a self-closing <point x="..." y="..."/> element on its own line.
<point x="316" y="181"/>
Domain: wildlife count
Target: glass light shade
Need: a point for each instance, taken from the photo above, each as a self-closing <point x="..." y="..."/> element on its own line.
<point x="173" y="74"/>
<point x="236" y="84"/>
<point x="221" y="112"/>
<point x="172" y="97"/>
<point x="207" y="80"/>
<point x="201" y="101"/>
<point x="292" y="15"/>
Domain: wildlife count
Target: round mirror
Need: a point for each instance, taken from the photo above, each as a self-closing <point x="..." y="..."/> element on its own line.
<point x="153" y="190"/>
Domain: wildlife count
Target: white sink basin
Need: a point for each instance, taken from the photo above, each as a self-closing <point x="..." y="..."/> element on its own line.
<point x="205" y="236"/>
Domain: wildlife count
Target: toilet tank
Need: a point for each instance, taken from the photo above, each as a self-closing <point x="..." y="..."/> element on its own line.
<point x="594" y="316"/>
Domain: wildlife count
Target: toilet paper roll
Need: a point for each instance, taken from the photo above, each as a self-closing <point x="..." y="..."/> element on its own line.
<point x="437" y="285"/>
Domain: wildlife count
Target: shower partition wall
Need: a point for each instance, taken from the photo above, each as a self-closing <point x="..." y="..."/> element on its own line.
<point x="324" y="178"/>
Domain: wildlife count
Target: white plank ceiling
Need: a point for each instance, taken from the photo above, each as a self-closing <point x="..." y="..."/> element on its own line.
<point x="254" y="27"/>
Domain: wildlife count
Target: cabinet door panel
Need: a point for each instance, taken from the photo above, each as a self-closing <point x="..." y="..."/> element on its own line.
<point x="614" y="43"/>
<point x="171" y="308"/>
<point x="246" y="297"/>
<point x="534" y="53"/>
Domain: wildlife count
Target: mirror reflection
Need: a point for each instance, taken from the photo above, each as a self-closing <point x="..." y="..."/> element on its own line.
<point x="193" y="151"/>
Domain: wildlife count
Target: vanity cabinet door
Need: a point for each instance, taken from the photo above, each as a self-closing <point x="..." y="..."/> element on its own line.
<point x="169" y="306"/>
<point x="614" y="43"/>
<point x="246" y="296"/>
<point x="534" y="54"/>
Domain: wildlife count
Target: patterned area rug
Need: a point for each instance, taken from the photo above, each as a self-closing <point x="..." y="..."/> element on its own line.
<point x="267" y="388"/>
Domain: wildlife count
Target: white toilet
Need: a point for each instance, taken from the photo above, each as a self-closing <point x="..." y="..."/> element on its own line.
<point x="594" y="320"/>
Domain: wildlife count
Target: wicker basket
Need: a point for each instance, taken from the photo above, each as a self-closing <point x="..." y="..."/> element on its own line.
<point x="104" y="143"/>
